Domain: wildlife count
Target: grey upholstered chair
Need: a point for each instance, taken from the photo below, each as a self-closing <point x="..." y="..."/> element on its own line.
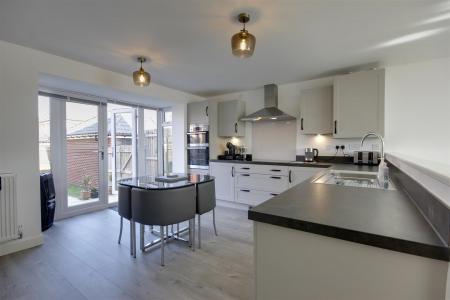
<point x="124" y="210"/>
<point x="163" y="208"/>
<point x="206" y="201"/>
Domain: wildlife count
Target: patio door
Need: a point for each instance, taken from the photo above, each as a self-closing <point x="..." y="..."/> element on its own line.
<point x="122" y="150"/>
<point x="84" y="159"/>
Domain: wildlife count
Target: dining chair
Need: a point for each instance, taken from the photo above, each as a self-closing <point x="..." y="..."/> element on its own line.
<point x="124" y="210"/>
<point x="162" y="208"/>
<point x="206" y="201"/>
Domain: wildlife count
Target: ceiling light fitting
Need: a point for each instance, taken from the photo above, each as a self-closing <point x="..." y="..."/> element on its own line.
<point x="243" y="42"/>
<point x="140" y="77"/>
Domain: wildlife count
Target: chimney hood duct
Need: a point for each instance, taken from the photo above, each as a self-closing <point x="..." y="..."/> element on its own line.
<point x="270" y="112"/>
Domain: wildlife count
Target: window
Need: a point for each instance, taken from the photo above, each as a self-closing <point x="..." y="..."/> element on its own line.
<point x="44" y="134"/>
<point x="167" y="141"/>
<point x="150" y="142"/>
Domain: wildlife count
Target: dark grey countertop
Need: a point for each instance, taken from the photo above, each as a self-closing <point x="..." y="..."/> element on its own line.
<point x="275" y="163"/>
<point x="382" y="218"/>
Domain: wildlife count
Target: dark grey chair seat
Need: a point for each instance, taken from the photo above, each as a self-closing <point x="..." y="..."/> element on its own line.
<point x="124" y="210"/>
<point x="206" y="201"/>
<point x="163" y="207"/>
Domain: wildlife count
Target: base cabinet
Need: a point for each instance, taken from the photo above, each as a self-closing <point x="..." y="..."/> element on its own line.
<point x="253" y="184"/>
<point x="224" y="180"/>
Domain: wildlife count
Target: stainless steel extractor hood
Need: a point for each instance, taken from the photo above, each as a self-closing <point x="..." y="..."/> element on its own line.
<point x="270" y="112"/>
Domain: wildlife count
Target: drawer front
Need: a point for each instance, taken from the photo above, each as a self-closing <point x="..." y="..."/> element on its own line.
<point x="262" y="169"/>
<point x="268" y="183"/>
<point x="251" y="197"/>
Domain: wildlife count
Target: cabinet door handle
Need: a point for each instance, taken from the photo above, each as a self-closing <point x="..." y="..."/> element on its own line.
<point x="247" y="191"/>
<point x="290" y="176"/>
<point x="235" y="127"/>
<point x="301" y="123"/>
<point x="247" y="175"/>
<point x="206" y="111"/>
<point x="275" y="177"/>
<point x="245" y="168"/>
<point x="335" y="126"/>
<point x="275" y="170"/>
<point x="273" y="194"/>
<point x="232" y="171"/>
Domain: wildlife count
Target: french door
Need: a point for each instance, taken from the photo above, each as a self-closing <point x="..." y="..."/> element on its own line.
<point x="78" y="140"/>
<point x="89" y="145"/>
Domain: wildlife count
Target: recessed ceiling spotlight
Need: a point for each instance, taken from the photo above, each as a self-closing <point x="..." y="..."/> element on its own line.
<point x="243" y="42"/>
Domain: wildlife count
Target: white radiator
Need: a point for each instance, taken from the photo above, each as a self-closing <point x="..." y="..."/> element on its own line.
<point x="9" y="228"/>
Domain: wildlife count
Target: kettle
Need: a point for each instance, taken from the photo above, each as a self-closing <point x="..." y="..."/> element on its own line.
<point x="311" y="154"/>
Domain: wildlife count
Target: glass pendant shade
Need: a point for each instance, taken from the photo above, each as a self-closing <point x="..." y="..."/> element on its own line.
<point x="243" y="44"/>
<point x="141" y="78"/>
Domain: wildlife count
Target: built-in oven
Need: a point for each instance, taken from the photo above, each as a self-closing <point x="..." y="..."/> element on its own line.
<point x="198" y="147"/>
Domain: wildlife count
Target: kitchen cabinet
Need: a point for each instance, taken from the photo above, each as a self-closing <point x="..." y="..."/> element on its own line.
<point x="358" y="104"/>
<point x="300" y="174"/>
<point x="229" y="114"/>
<point x="224" y="180"/>
<point x="197" y="113"/>
<point x="316" y="110"/>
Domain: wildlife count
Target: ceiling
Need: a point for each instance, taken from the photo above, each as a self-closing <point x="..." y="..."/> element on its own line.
<point x="188" y="42"/>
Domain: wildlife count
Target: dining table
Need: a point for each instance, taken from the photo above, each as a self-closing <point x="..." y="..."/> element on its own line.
<point x="165" y="182"/>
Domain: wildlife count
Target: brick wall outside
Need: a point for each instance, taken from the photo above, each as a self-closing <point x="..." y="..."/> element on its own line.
<point x="82" y="159"/>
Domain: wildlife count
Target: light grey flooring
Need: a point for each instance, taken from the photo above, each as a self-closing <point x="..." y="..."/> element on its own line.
<point x="81" y="259"/>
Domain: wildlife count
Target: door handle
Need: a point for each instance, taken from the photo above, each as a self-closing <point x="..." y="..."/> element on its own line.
<point x="245" y="168"/>
<point x="275" y="177"/>
<point x="102" y="155"/>
<point x="206" y="111"/>
<point x="235" y="127"/>
<point x="273" y="194"/>
<point x="247" y="191"/>
<point x="301" y="123"/>
<point x="275" y="170"/>
<point x="290" y="176"/>
<point x="232" y="171"/>
<point x="247" y="175"/>
<point x="335" y="126"/>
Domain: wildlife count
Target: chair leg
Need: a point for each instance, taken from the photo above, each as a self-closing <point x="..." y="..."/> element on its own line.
<point x="142" y="227"/>
<point x="133" y="237"/>
<point x="120" y="232"/>
<point x="190" y="232"/>
<point x="199" y="233"/>
<point x="193" y="234"/>
<point x="161" y="235"/>
<point x="214" y="221"/>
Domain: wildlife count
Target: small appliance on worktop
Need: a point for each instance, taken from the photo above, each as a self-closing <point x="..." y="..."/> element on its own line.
<point x="235" y="153"/>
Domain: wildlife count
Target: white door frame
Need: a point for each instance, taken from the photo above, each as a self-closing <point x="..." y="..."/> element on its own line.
<point x="59" y="158"/>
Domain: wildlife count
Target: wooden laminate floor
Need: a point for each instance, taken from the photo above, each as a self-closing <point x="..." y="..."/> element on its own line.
<point x="81" y="259"/>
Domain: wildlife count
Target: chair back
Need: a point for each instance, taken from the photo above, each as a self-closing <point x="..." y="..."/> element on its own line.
<point x="206" y="197"/>
<point x="124" y="206"/>
<point x="163" y="207"/>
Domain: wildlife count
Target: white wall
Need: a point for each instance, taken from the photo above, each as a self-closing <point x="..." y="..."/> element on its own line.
<point x="418" y="113"/>
<point x="20" y="69"/>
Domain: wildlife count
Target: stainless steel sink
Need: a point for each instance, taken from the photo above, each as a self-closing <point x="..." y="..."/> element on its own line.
<point x="353" y="178"/>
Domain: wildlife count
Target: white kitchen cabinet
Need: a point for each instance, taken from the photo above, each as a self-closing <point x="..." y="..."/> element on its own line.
<point x="358" y="104"/>
<point x="300" y="174"/>
<point x="224" y="180"/>
<point x="252" y="197"/>
<point x="262" y="182"/>
<point x="229" y="114"/>
<point x="197" y="113"/>
<point x="316" y="110"/>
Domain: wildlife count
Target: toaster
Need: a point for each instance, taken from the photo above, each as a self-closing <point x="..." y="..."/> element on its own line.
<point x="366" y="158"/>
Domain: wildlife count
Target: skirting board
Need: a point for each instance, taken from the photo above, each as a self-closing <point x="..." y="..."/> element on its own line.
<point x="226" y="203"/>
<point x="21" y="244"/>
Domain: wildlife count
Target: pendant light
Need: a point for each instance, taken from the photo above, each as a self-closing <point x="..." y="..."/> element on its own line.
<point x="243" y="42"/>
<point x="140" y="77"/>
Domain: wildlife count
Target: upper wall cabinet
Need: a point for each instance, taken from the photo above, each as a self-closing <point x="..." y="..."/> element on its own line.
<point x="358" y="104"/>
<point x="197" y="113"/>
<point x="316" y="110"/>
<point x="229" y="114"/>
